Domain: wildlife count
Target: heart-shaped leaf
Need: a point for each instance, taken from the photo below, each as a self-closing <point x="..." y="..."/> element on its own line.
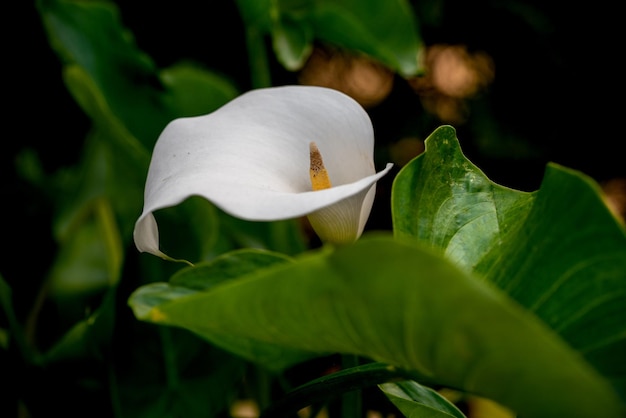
<point x="397" y="303"/>
<point x="557" y="251"/>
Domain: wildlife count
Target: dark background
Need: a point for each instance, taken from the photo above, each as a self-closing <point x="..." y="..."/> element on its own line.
<point x="558" y="85"/>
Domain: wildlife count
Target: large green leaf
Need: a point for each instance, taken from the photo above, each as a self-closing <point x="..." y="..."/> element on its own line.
<point x="558" y="251"/>
<point x="226" y="267"/>
<point x="386" y="31"/>
<point x="207" y="275"/>
<point x="445" y="201"/>
<point x="401" y="304"/>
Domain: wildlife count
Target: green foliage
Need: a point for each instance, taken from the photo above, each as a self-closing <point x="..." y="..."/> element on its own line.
<point x="515" y="296"/>
<point x="362" y="26"/>
<point x="375" y="298"/>
<point x="540" y="248"/>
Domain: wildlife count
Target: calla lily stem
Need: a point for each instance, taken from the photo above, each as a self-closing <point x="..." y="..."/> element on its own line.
<point x="257" y="58"/>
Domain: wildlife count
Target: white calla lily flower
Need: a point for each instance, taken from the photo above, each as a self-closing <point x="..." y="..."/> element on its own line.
<point x="270" y="154"/>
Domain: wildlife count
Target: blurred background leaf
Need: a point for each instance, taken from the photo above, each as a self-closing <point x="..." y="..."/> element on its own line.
<point x="386" y="31"/>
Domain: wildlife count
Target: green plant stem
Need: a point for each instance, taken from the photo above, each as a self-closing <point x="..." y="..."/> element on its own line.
<point x="260" y="74"/>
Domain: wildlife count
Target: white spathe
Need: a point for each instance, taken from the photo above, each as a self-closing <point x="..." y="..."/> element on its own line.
<point x="251" y="159"/>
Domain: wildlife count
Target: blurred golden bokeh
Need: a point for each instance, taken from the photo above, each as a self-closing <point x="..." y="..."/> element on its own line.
<point x="360" y="77"/>
<point x="453" y="75"/>
<point x="485" y="408"/>
<point x="615" y="197"/>
<point x="404" y="150"/>
<point x="245" y="408"/>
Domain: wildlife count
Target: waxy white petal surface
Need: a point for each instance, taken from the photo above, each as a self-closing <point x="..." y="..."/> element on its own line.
<point x="251" y="159"/>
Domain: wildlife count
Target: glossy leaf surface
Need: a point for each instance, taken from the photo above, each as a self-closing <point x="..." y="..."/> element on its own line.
<point x="558" y="251"/>
<point x="397" y="303"/>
